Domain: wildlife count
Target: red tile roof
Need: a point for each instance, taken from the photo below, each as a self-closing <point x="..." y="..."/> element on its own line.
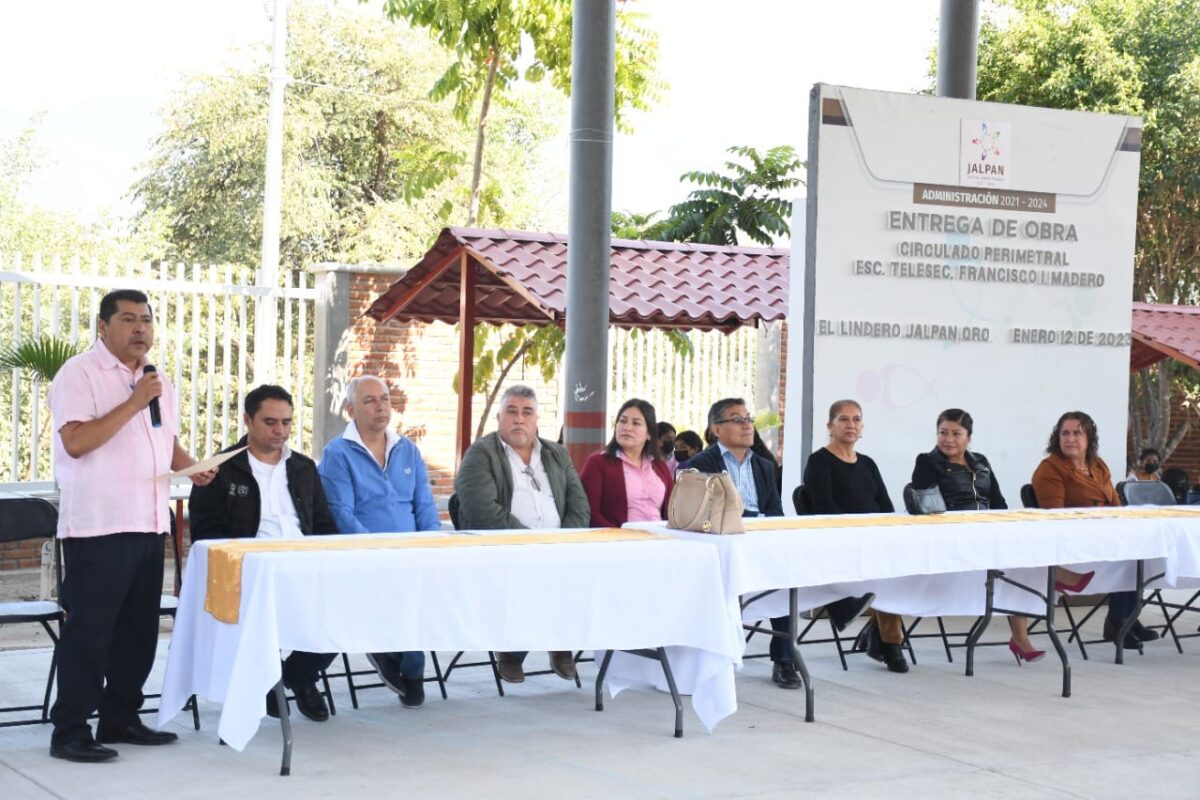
<point x="1165" y="331"/>
<point x="522" y="277"/>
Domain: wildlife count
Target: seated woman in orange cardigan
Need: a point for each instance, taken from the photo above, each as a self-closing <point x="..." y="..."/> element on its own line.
<point x="1072" y="475"/>
<point x="628" y="481"/>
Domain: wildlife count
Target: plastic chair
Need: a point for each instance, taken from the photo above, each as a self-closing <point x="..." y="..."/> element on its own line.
<point x="27" y="519"/>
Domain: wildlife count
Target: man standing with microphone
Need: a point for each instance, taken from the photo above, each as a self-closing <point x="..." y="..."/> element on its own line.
<point x="116" y="423"/>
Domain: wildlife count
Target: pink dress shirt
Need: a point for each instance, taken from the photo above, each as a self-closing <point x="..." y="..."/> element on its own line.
<point x="118" y="487"/>
<point x="644" y="490"/>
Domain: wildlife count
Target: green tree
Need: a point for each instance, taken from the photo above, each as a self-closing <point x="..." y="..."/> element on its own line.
<point x="750" y="200"/>
<point x="487" y="38"/>
<point x="1125" y="57"/>
<point x="366" y="152"/>
<point x="634" y="225"/>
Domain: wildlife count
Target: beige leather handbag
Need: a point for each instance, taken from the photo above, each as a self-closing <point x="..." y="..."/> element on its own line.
<point x="705" y="503"/>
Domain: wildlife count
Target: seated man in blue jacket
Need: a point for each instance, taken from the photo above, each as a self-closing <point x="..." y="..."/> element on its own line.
<point x="268" y="491"/>
<point x="730" y="422"/>
<point x="376" y="482"/>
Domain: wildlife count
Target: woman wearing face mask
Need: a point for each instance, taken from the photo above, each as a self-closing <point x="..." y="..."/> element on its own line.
<point x="1146" y="468"/>
<point x="1072" y="475"/>
<point x="628" y="481"/>
<point x="967" y="483"/>
<point x="687" y="444"/>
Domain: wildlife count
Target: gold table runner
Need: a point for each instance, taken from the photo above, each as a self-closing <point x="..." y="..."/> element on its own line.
<point x="1021" y="515"/>
<point x="223" y="596"/>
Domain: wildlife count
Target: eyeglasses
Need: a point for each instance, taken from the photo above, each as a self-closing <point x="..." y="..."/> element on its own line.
<point x="533" y="481"/>
<point x="736" y="421"/>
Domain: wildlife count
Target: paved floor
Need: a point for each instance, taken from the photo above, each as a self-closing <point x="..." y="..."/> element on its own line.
<point x="933" y="733"/>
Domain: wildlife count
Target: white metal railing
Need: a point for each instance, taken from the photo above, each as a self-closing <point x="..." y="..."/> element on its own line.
<point x="203" y="318"/>
<point x="644" y="364"/>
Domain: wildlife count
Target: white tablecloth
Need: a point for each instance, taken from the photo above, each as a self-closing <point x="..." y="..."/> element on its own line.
<point x="925" y="569"/>
<point x="593" y="596"/>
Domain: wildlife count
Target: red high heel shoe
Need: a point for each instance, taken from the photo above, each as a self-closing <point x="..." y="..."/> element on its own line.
<point x="1025" y="655"/>
<point x="1076" y="587"/>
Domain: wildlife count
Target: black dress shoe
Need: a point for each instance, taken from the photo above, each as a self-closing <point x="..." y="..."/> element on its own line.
<point x="388" y="667"/>
<point x="893" y="656"/>
<point x="1142" y="633"/>
<point x="846" y="610"/>
<point x="1110" y="635"/>
<point x="85" y="752"/>
<point x="413" y="692"/>
<point x="785" y="676"/>
<point x="272" y="705"/>
<point x="137" y="733"/>
<point x="872" y="644"/>
<point x="311" y="702"/>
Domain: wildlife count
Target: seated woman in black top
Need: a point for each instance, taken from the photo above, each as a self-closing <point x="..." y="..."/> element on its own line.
<point x="967" y="483"/>
<point x="839" y="480"/>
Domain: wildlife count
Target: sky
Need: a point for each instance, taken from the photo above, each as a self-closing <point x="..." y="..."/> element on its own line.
<point x="739" y="74"/>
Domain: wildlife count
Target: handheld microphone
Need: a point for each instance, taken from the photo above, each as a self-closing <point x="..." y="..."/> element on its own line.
<point x="155" y="411"/>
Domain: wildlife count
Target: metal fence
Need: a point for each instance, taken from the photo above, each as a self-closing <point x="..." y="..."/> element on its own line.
<point x="203" y="342"/>
<point x="645" y="364"/>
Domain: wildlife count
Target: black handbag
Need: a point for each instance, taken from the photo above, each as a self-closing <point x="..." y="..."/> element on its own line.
<point x="924" y="501"/>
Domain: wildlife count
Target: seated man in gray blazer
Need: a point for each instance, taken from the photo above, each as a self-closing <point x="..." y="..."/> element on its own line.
<point x="515" y="479"/>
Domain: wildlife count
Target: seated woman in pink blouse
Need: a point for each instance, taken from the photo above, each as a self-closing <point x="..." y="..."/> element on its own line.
<point x="628" y="481"/>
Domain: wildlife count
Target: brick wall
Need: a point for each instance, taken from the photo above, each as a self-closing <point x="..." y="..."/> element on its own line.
<point x="21" y="555"/>
<point x="419" y="362"/>
<point x="1185" y="457"/>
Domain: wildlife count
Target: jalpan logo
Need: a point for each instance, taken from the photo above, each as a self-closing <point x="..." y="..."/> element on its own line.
<point x="984" y="153"/>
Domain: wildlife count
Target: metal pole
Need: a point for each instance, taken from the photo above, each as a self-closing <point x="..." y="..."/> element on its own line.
<point x="268" y="276"/>
<point x="958" y="33"/>
<point x="593" y="70"/>
<point x="466" y="353"/>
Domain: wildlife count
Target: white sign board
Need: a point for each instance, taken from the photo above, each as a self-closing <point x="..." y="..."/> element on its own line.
<point x="962" y="254"/>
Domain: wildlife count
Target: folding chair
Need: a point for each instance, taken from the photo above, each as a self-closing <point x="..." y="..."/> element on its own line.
<point x="913" y="507"/>
<point x="452" y="506"/>
<point x="1130" y="493"/>
<point x="1162" y="493"/>
<point x="802" y="502"/>
<point x="26" y="519"/>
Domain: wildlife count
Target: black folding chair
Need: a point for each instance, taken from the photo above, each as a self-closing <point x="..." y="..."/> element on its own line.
<point x="453" y="506"/>
<point x="28" y="519"/>
<point x="1162" y="493"/>
<point x="350" y="674"/>
<point x="802" y="502"/>
<point x="1135" y="493"/>
<point x="913" y="506"/>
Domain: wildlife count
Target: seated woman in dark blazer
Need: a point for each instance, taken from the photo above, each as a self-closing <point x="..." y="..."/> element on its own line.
<point x="628" y="481"/>
<point x="967" y="483"/>
<point x="1072" y="475"/>
<point x="840" y="480"/>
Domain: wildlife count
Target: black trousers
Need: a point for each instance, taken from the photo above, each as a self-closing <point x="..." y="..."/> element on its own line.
<point x="112" y="588"/>
<point x="1120" y="606"/>
<point x="302" y="669"/>
<point x="780" y="650"/>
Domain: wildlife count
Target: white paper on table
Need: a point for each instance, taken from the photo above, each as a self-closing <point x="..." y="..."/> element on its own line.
<point x="205" y="465"/>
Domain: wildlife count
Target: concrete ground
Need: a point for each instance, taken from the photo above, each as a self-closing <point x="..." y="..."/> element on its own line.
<point x="933" y="733"/>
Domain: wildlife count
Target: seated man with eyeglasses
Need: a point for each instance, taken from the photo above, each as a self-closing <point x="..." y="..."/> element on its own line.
<point x="376" y="482"/>
<point x="515" y="479"/>
<point x="732" y="424"/>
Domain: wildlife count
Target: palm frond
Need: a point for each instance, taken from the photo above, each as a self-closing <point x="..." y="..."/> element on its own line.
<point x="42" y="357"/>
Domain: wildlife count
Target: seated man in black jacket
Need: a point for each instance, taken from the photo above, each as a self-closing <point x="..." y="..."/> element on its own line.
<point x="730" y="422"/>
<point x="269" y="492"/>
